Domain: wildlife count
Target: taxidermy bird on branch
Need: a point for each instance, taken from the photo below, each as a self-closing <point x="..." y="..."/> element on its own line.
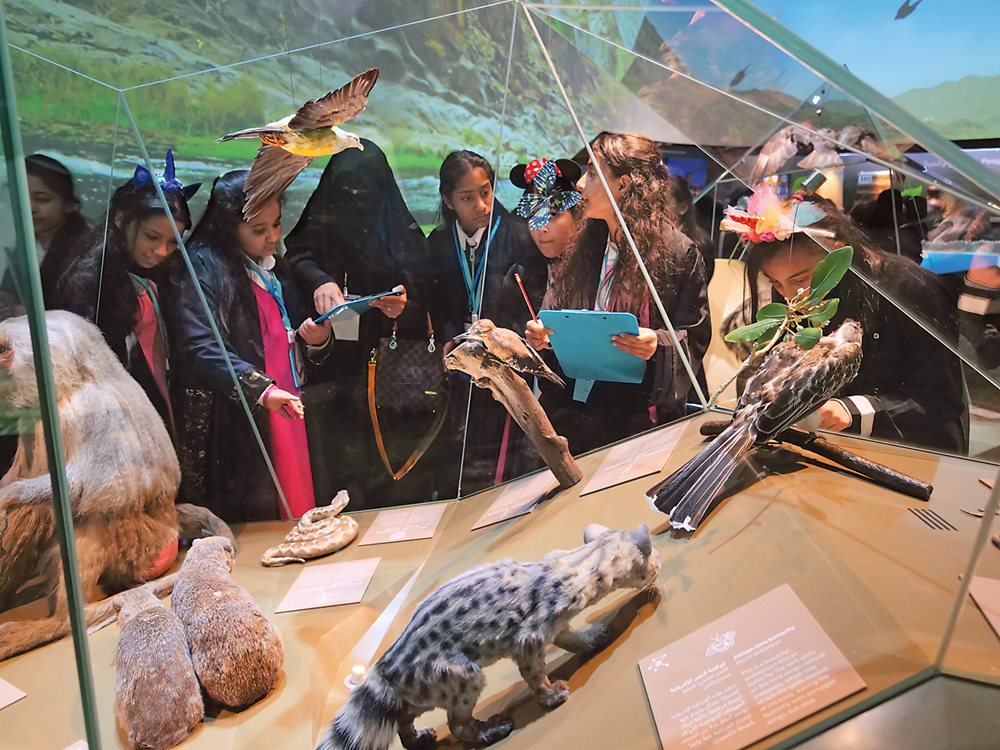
<point x="819" y="147"/>
<point x="795" y="377"/>
<point x="290" y="144"/>
<point x="493" y="357"/>
<point x="791" y="384"/>
<point x="507" y="348"/>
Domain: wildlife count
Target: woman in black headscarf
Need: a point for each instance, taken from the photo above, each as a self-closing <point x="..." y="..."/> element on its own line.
<point x="356" y="235"/>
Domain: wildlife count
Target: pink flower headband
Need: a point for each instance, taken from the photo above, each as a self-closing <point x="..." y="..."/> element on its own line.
<point x="768" y="219"/>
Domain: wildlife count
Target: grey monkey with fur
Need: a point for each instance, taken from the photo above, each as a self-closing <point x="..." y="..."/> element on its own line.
<point x="501" y="609"/>
<point x="121" y="470"/>
<point x="237" y="651"/>
<point x="157" y="697"/>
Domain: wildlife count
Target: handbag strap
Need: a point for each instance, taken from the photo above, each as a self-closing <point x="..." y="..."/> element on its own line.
<point x="425" y="441"/>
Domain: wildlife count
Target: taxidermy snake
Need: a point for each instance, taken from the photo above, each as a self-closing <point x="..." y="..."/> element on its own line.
<point x="321" y="531"/>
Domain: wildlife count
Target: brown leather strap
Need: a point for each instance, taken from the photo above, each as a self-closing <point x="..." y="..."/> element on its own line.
<point x="425" y="441"/>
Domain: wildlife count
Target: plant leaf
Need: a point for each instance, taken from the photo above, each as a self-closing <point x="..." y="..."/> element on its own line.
<point x="772" y="311"/>
<point x="829" y="272"/>
<point x="822" y="313"/>
<point x="753" y="331"/>
<point x="807" y="338"/>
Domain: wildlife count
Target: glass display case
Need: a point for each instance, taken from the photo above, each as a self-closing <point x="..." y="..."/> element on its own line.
<point x="213" y="337"/>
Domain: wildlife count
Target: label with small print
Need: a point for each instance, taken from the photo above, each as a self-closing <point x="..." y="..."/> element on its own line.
<point x="639" y="457"/>
<point x="518" y="499"/>
<point x="402" y="524"/>
<point x="9" y="694"/>
<point x="745" y="676"/>
<point x="330" y="585"/>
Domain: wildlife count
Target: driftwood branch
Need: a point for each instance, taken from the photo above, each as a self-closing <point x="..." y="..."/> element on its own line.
<point x="516" y="397"/>
<point x="513" y="393"/>
<point x="812" y="442"/>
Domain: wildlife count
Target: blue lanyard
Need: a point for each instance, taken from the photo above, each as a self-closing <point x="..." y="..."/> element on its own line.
<point x="472" y="287"/>
<point x="273" y="286"/>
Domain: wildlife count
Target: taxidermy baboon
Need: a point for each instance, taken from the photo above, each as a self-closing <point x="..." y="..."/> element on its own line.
<point x="122" y="476"/>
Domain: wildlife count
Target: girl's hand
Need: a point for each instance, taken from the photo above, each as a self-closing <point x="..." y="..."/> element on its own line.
<point x="642" y="346"/>
<point x="313" y="334"/>
<point x="537" y="335"/>
<point x="391" y="307"/>
<point x="833" y="416"/>
<point x="327" y="296"/>
<point x="283" y="402"/>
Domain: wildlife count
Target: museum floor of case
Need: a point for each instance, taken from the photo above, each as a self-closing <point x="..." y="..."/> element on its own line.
<point x="880" y="581"/>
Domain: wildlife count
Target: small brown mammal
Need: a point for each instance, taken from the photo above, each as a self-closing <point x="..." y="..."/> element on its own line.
<point x="237" y="651"/>
<point x="157" y="698"/>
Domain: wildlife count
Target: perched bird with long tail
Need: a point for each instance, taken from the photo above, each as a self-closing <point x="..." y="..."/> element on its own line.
<point x="505" y="347"/>
<point x="290" y="144"/>
<point x="790" y="385"/>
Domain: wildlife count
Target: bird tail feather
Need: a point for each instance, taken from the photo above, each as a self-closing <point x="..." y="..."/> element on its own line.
<point x="248" y="133"/>
<point x="687" y="494"/>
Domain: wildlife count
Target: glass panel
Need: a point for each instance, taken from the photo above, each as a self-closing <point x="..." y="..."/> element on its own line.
<point x="33" y="600"/>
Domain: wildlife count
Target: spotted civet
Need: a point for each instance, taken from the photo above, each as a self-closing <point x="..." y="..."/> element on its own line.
<point x="501" y="609"/>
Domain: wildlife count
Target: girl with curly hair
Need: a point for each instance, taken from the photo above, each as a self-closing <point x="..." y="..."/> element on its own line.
<point x="602" y="273"/>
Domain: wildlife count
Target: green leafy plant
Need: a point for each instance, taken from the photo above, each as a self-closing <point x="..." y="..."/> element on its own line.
<point x="803" y="316"/>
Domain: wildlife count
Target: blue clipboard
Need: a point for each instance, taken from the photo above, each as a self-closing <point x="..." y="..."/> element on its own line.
<point x="581" y="341"/>
<point x="358" y="306"/>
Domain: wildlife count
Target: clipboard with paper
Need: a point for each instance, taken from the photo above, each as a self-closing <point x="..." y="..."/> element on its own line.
<point x="581" y="341"/>
<point x="344" y="318"/>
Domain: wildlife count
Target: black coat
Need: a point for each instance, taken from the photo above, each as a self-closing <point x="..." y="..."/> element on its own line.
<point x="357" y="226"/>
<point x="77" y="291"/>
<point x="614" y="411"/>
<point x="222" y="467"/>
<point x="511" y="250"/>
<point x="912" y="381"/>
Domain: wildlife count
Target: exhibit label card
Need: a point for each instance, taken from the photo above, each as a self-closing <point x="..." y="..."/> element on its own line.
<point x="400" y="524"/>
<point x="745" y="676"/>
<point x="9" y="694"/>
<point x="986" y="594"/>
<point x="329" y="585"/>
<point x="639" y="457"/>
<point x="519" y="499"/>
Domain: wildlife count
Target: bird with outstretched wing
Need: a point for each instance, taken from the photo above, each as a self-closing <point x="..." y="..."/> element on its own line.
<point x="791" y="384"/>
<point x="290" y="144"/>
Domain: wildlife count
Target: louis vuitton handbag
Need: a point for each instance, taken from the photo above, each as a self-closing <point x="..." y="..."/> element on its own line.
<point x="406" y="379"/>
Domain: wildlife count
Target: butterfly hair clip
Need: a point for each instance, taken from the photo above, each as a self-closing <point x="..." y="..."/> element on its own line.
<point x="549" y="188"/>
<point x="168" y="181"/>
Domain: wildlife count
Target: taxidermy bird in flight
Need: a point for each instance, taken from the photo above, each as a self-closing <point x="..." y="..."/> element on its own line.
<point x="791" y="384"/>
<point x="505" y="347"/>
<point x="291" y="143"/>
<point x="819" y="146"/>
<point x="906" y="9"/>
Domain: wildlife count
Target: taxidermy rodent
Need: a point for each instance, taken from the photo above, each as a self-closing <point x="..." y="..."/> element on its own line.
<point x="121" y="470"/>
<point x="157" y="698"/>
<point x="237" y="651"/>
<point x="502" y="609"/>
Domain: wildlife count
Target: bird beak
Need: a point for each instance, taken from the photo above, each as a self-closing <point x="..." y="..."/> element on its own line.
<point x="462" y="337"/>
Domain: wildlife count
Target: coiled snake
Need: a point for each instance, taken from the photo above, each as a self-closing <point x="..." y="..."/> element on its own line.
<point x="321" y="531"/>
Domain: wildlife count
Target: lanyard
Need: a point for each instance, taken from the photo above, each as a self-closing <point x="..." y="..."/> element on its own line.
<point x="273" y="286"/>
<point x="161" y="331"/>
<point x="472" y="286"/>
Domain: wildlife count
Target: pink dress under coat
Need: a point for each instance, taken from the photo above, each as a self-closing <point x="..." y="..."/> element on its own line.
<point x="289" y="447"/>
